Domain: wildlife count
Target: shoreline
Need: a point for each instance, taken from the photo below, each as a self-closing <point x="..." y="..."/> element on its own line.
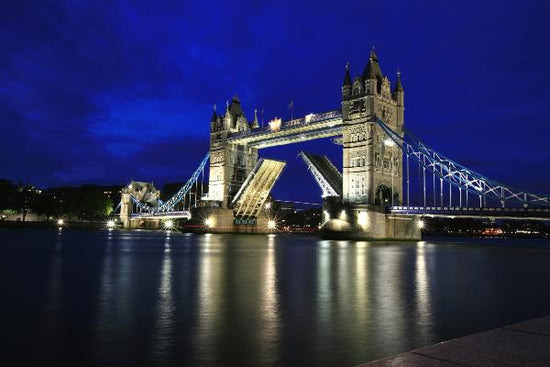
<point x="525" y="343"/>
<point x="100" y="225"/>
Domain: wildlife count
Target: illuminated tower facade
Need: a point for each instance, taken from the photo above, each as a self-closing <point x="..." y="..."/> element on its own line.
<point x="372" y="164"/>
<point x="230" y="164"/>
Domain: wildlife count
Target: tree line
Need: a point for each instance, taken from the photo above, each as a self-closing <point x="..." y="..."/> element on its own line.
<point x="87" y="202"/>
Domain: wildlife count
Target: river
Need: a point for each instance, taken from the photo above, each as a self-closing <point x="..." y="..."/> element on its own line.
<point x="77" y="297"/>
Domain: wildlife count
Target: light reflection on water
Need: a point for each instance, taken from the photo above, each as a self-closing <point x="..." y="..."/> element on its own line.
<point x="164" y="298"/>
<point x="423" y="300"/>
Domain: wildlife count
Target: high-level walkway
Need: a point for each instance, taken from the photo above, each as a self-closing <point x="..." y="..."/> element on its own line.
<point x="310" y="127"/>
<point x="522" y="344"/>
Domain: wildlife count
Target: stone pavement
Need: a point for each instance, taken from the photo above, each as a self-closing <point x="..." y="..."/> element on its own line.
<point x="522" y="344"/>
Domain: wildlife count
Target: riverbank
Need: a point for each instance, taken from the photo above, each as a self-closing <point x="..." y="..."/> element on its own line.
<point x="53" y="224"/>
<point x="200" y="229"/>
<point x="523" y="344"/>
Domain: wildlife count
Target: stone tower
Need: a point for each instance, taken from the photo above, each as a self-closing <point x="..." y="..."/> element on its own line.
<point x="230" y="164"/>
<point x="372" y="165"/>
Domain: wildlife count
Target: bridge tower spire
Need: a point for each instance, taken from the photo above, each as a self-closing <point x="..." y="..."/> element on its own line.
<point x="346" y="86"/>
<point x="399" y="97"/>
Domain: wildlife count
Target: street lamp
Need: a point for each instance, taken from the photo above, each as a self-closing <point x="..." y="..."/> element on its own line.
<point x="169" y="224"/>
<point x="390" y="144"/>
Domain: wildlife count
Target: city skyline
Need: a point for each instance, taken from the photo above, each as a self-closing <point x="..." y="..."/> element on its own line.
<point x="96" y="95"/>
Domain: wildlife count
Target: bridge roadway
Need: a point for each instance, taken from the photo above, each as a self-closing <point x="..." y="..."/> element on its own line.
<point x="432" y="212"/>
<point x="313" y="126"/>
<point x="452" y="212"/>
<point x="162" y="215"/>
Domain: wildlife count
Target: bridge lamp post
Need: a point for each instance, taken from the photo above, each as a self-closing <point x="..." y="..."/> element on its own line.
<point x="208" y="222"/>
<point x="390" y="144"/>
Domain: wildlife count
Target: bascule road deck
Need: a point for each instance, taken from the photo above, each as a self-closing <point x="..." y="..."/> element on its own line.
<point x="523" y="344"/>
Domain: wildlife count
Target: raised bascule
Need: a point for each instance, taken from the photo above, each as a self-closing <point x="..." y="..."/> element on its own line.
<point x="369" y="199"/>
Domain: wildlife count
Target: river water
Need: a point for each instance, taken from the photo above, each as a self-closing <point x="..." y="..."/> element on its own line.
<point x="122" y="298"/>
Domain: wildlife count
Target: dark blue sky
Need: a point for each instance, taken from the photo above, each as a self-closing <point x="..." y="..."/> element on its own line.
<point x="109" y="91"/>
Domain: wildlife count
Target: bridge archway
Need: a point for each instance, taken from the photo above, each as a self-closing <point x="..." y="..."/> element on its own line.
<point x="383" y="195"/>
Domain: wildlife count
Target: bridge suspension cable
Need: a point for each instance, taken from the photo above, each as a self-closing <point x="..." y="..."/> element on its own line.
<point x="179" y="196"/>
<point x="457" y="175"/>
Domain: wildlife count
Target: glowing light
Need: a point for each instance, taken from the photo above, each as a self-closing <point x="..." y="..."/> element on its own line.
<point x="327" y="215"/>
<point x="130" y="186"/>
<point x="389" y="143"/>
<point x="275" y="124"/>
<point x="268" y="205"/>
<point x="362" y="220"/>
<point x="209" y="222"/>
<point x="271" y="225"/>
<point x="343" y="215"/>
<point x="420" y="224"/>
<point x="309" y="117"/>
<point x="111" y="224"/>
<point x="60" y="222"/>
<point x="169" y="224"/>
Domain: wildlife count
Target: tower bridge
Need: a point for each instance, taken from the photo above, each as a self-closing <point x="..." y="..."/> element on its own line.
<point x="370" y="198"/>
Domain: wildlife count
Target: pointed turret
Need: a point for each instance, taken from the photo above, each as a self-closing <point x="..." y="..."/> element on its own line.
<point x="398" y="86"/>
<point x="255" y="123"/>
<point x="235" y="118"/>
<point x="372" y="70"/>
<point x="235" y="108"/>
<point x="227" y="116"/>
<point x="369" y="72"/>
<point x="347" y="77"/>
<point x="214" y="115"/>
<point x="346" y="87"/>
<point x="398" y="93"/>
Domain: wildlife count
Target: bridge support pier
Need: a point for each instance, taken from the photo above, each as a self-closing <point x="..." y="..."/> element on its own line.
<point x="221" y="220"/>
<point x="366" y="222"/>
<point x="145" y="223"/>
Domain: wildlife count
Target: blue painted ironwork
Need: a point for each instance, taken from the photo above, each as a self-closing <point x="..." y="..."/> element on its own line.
<point x="141" y="206"/>
<point x="453" y="212"/>
<point x="460" y="176"/>
<point x="168" y="206"/>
